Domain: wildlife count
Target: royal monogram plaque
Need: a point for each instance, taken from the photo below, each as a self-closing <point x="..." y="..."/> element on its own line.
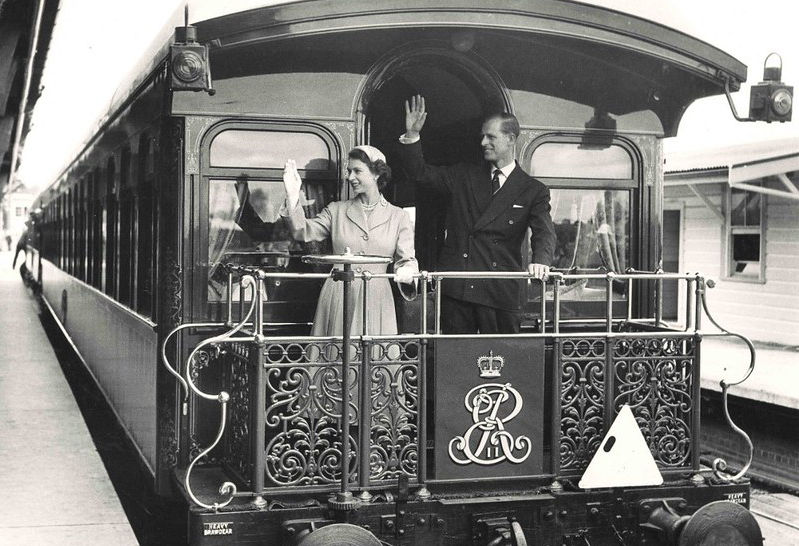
<point x="489" y="397"/>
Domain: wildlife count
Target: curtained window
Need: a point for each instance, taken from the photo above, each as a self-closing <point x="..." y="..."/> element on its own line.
<point x="591" y="191"/>
<point x="246" y="193"/>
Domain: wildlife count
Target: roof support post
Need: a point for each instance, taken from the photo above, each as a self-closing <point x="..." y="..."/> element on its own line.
<point x="708" y="203"/>
<point x="787" y="183"/>
<point x="767" y="191"/>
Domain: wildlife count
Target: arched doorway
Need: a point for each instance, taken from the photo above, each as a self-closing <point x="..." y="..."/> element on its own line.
<point x="459" y="90"/>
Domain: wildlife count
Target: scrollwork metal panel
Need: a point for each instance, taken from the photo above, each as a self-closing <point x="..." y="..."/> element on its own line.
<point x="655" y="377"/>
<point x="394" y="399"/>
<point x="303" y="414"/>
<point x="238" y="439"/>
<point x="582" y="418"/>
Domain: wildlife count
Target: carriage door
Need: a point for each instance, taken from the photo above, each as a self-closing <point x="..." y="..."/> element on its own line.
<point x="459" y="92"/>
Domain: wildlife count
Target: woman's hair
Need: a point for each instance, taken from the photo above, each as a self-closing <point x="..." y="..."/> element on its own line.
<point x="378" y="167"/>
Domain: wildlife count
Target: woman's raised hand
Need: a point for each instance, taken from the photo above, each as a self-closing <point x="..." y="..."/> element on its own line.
<point x="415" y="115"/>
<point x="292" y="183"/>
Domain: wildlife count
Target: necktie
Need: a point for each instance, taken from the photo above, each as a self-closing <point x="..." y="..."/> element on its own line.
<point x="495" y="182"/>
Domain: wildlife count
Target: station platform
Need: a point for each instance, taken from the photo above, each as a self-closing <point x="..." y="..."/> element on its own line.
<point x="773" y="381"/>
<point x="56" y="489"/>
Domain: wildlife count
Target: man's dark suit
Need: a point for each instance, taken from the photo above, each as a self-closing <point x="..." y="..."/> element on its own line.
<point x="485" y="232"/>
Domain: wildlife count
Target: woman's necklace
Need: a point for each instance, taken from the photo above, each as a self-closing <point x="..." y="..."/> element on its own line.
<point x="370" y="207"/>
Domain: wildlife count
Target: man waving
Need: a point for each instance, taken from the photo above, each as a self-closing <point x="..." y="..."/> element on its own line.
<point x="490" y="207"/>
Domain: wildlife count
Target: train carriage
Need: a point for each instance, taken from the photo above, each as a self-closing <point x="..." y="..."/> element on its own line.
<point x="196" y="327"/>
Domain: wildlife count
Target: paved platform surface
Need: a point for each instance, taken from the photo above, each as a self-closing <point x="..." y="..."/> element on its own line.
<point x="773" y="381"/>
<point x="54" y="484"/>
<point x="778" y="517"/>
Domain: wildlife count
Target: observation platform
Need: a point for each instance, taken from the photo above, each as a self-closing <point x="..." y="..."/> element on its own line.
<point x="57" y="490"/>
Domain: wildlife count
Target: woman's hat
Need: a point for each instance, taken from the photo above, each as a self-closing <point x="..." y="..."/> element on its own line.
<point x="373" y="153"/>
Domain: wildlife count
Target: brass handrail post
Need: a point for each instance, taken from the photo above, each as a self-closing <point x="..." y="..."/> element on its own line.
<point x="609" y="302"/>
<point x="658" y="299"/>
<point x="438" y="304"/>
<point x="555" y="424"/>
<point x="421" y="403"/>
<point x="229" y="305"/>
<point x="543" y="305"/>
<point x="556" y="304"/>
<point x="629" y="300"/>
<point x="344" y="499"/>
<point x="365" y="377"/>
<point x="423" y="318"/>
<point x="690" y="304"/>
<point x="258" y="386"/>
<point x="699" y="291"/>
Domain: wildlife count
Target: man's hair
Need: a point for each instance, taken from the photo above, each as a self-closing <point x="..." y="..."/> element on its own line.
<point x="509" y="123"/>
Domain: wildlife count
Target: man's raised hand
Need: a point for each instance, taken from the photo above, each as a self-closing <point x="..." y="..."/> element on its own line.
<point x="415" y="115"/>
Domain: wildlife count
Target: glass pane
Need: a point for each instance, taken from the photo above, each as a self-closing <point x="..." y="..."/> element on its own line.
<point x="746" y="247"/>
<point x="245" y="227"/>
<point x="753" y="209"/>
<point x="738" y="207"/>
<point x="269" y="150"/>
<point x="744" y="208"/>
<point x="568" y="160"/>
<point x="593" y="231"/>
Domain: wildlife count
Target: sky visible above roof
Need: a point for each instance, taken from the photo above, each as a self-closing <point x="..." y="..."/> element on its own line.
<point x="96" y="42"/>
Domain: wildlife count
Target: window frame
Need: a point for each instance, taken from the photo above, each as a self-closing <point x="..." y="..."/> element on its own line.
<point x="728" y="264"/>
<point x="634" y="186"/>
<point x="202" y="306"/>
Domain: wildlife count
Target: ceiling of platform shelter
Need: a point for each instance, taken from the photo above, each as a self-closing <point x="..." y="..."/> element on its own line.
<point x="25" y="30"/>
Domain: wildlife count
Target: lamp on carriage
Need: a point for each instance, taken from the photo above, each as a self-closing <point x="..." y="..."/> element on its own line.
<point x="188" y="61"/>
<point x="770" y="100"/>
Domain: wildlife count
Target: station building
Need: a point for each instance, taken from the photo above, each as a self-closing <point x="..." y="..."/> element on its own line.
<point x="732" y="213"/>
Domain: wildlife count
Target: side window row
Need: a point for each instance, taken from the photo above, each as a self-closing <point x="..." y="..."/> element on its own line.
<point x="102" y="228"/>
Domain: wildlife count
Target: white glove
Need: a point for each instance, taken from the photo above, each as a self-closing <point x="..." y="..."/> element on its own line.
<point x="404" y="275"/>
<point x="292" y="182"/>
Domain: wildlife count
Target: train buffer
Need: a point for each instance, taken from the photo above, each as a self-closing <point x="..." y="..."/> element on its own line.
<point x="58" y="489"/>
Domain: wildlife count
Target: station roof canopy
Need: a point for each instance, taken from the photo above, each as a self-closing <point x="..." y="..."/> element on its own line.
<point x="739" y="165"/>
<point x="26" y="27"/>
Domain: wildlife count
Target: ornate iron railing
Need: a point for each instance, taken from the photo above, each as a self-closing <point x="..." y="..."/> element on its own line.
<point x="287" y="412"/>
<point x="657" y="377"/>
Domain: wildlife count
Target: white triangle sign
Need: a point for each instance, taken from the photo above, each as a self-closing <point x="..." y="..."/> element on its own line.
<point x="623" y="458"/>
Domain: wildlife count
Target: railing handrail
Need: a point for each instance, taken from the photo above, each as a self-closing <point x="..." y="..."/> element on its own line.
<point x="249" y="328"/>
<point x="522" y="275"/>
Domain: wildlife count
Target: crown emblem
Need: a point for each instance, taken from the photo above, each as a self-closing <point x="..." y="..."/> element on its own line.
<point x="490" y="366"/>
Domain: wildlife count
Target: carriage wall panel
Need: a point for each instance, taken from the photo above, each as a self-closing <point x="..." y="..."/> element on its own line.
<point x="119" y="348"/>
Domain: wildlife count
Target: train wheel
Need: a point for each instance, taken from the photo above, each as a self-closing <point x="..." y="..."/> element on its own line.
<point x="340" y="534"/>
<point x="721" y="523"/>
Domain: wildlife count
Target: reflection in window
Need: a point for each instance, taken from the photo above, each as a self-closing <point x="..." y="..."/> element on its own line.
<point x="593" y="232"/>
<point x="745" y="234"/>
<point x="567" y="160"/>
<point x="245" y="226"/>
<point x="269" y="150"/>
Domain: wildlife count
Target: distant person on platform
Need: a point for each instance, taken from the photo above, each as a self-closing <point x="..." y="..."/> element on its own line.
<point x="22" y="246"/>
<point x="489" y="208"/>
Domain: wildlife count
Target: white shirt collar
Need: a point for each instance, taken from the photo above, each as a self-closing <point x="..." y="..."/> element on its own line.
<point x="505" y="172"/>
